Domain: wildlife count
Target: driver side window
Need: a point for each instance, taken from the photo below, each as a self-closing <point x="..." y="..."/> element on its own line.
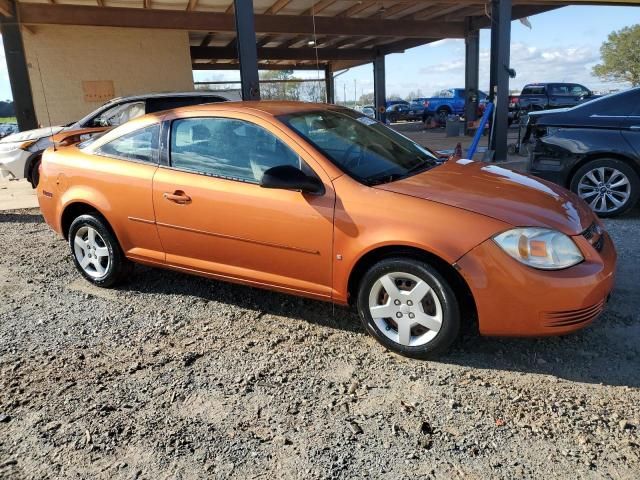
<point x="119" y="114"/>
<point x="228" y="148"/>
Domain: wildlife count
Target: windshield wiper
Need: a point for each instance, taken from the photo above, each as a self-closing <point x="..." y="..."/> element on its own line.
<point x="390" y="177"/>
<point x="419" y="167"/>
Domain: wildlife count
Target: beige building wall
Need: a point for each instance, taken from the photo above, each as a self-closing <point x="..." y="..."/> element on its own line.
<point x="61" y="58"/>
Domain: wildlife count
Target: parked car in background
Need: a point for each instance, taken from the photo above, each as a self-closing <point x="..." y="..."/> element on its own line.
<point x="7" y="129"/>
<point x="316" y="200"/>
<point x="369" y="111"/>
<point x="20" y="153"/>
<point x="446" y="102"/>
<point x="545" y="96"/>
<point x="416" y="107"/>
<point x="390" y="103"/>
<point x="397" y="112"/>
<point x="593" y="149"/>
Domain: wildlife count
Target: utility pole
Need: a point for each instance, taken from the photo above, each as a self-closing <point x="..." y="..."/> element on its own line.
<point x="355" y="92"/>
<point x="344" y="88"/>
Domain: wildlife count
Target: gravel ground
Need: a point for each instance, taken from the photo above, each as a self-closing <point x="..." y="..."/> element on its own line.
<point x="173" y="376"/>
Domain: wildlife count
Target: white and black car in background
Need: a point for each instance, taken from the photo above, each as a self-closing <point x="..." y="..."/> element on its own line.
<point x="20" y="153"/>
<point x="592" y="149"/>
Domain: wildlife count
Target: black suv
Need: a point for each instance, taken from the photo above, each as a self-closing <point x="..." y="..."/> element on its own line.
<point x="593" y="149"/>
<point x="546" y="96"/>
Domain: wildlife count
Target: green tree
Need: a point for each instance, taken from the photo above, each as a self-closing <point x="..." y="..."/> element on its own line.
<point x="621" y="56"/>
<point x="366" y="98"/>
<point x="279" y="90"/>
<point x="414" y="94"/>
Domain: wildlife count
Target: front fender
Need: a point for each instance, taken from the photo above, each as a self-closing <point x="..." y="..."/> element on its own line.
<point x="400" y="221"/>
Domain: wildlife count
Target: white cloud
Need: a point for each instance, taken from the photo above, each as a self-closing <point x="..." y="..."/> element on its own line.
<point x="533" y="64"/>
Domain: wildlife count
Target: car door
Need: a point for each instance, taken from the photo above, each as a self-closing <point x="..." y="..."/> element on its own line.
<point x="213" y="216"/>
<point x="631" y="128"/>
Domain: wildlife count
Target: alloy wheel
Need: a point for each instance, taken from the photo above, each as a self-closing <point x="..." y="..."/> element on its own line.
<point x="605" y="189"/>
<point x="91" y="252"/>
<point x="405" y="309"/>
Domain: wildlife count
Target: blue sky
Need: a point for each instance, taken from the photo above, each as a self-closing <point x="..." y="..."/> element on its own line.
<point x="563" y="45"/>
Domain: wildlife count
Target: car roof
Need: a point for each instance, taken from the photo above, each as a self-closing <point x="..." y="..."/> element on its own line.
<point x="146" y="96"/>
<point x="270" y="107"/>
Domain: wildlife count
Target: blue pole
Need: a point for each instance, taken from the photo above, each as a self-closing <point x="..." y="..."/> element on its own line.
<point x="476" y="138"/>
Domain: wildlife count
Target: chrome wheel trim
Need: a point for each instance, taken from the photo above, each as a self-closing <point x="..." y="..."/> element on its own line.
<point x="605" y="189"/>
<point x="91" y="252"/>
<point x="405" y="309"/>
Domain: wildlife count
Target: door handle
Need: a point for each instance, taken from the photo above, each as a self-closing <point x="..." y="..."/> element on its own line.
<point x="635" y="127"/>
<point x="177" y="197"/>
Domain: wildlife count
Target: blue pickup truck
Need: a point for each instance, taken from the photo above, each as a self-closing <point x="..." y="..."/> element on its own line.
<point x="445" y="102"/>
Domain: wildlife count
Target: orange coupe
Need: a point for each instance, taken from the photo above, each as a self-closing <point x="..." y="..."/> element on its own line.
<point x="324" y="202"/>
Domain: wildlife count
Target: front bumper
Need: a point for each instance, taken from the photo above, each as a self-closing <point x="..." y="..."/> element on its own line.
<point x="13" y="162"/>
<point x="515" y="300"/>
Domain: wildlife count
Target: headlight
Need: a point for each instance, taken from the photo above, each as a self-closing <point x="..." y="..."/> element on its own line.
<point x="540" y="248"/>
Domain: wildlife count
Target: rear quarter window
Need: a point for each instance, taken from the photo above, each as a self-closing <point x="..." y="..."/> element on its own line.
<point x="139" y="145"/>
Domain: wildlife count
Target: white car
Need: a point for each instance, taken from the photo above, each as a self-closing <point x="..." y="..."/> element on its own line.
<point x="20" y="153"/>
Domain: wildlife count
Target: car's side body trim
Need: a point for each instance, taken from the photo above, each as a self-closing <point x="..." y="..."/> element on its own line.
<point x="240" y="239"/>
<point x="142" y="220"/>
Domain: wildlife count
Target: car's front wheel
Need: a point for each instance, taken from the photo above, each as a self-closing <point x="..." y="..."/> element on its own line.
<point x="608" y="185"/>
<point x="96" y="252"/>
<point x="409" y="307"/>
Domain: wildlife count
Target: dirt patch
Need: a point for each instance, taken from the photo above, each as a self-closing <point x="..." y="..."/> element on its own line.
<point x="174" y="376"/>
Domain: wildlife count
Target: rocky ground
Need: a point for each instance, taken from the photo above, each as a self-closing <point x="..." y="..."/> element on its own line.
<point x="180" y="377"/>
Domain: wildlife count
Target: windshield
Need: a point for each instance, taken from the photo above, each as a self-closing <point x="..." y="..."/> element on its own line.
<point x="363" y="148"/>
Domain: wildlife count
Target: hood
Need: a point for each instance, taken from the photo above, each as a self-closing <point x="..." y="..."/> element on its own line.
<point x="511" y="197"/>
<point x="28" y="135"/>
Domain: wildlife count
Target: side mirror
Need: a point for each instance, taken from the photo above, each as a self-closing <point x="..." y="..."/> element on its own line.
<point x="287" y="177"/>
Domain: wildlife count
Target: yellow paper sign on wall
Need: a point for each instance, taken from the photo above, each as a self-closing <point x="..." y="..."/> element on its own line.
<point x="98" y="90"/>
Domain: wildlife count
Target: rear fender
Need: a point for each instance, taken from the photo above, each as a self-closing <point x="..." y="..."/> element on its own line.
<point x="81" y="194"/>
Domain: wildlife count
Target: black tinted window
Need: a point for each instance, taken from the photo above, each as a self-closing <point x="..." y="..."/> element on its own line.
<point x="560" y="89"/>
<point x="118" y="114"/>
<point x="534" y="90"/>
<point x="579" y="90"/>
<point x="167" y="103"/>
<point x="228" y="148"/>
<point x="141" y="145"/>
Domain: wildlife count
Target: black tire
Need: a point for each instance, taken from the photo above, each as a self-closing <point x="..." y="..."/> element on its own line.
<point x="450" y="308"/>
<point x="609" y="163"/>
<point x="393" y="118"/>
<point x="443" y="113"/>
<point x="117" y="268"/>
<point x="34" y="172"/>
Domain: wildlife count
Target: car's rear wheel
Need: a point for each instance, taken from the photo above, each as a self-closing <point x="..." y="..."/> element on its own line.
<point x="96" y="252"/>
<point x="34" y="172"/>
<point x="608" y="185"/>
<point x="409" y="307"/>
<point x="443" y="113"/>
